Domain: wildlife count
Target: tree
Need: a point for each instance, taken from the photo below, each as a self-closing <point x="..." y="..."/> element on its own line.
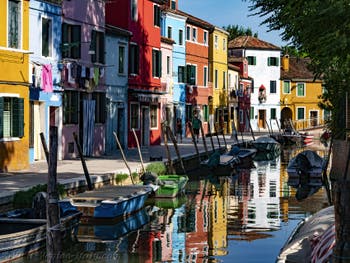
<point x="320" y="28"/>
<point x="236" y="31"/>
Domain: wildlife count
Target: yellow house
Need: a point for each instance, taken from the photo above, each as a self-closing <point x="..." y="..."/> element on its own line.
<point x="218" y="77"/>
<point x="300" y="94"/>
<point x="14" y="85"/>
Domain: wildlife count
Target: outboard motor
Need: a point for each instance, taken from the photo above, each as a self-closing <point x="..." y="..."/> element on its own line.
<point x="150" y="178"/>
<point x="39" y="205"/>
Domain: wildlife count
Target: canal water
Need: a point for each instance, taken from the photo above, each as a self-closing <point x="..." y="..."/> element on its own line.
<point x="243" y="217"/>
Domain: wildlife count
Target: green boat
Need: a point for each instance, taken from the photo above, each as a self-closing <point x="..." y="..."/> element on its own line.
<point x="170" y="186"/>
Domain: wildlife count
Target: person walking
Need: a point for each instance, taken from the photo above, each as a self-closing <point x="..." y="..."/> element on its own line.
<point x="196" y="126"/>
<point x="178" y="129"/>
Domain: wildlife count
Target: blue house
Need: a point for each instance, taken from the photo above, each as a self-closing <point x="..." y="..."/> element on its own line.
<point x="173" y="26"/>
<point x="116" y="81"/>
<point x="45" y="92"/>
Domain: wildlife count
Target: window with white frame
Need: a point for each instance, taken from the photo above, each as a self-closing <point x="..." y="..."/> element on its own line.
<point x="167" y="65"/>
<point x="181" y="37"/>
<point x="286" y="87"/>
<point x="14" y="24"/>
<point x="272" y="61"/>
<point x="205" y="38"/>
<point x="191" y="74"/>
<point x="134" y="115"/>
<point x="156" y="15"/>
<point x="46" y="37"/>
<point x="71" y="41"/>
<point x="272" y="113"/>
<point x="194" y="34"/>
<point x="156" y="63"/>
<point x="154" y="116"/>
<point x="205" y="76"/>
<point x="273" y="86"/>
<point x="224" y="44"/>
<point x="173" y="4"/>
<point x="11" y="117"/>
<point x="134" y="58"/>
<point x="121" y="60"/>
<point x="98" y="46"/>
<point x="170" y="33"/>
<point x="134" y="11"/>
<point x="300" y="113"/>
<point x="216" y="78"/>
<point x="188" y="33"/>
<point x="224" y="80"/>
<point x="100" y="108"/>
<point x="70" y="107"/>
<point x="216" y="42"/>
<point x="251" y="60"/>
<point x="300" y="89"/>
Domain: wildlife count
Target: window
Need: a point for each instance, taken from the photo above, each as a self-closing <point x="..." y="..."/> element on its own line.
<point x="224" y="80"/>
<point x="286" y="87"/>
<point x="301" y="113"/>
<point x="216" y="78"/>
<point x="205" y="113"/>
<point x="181" y="37"/>
<point x="11" y="117"/>
<point x="272" y="61"/>
<point x="224" y="44"/>
<point x="273" y="114"/>
<point x="71" y="41"/>
<point x="156" y="63"/>
<point x="181" y="74"/>
<point x="216" y="42"/>
<point x="173" y="4"/>
<point x="156" y="15"/>
<point x="134" y="116"/>
<point x="205" y="76"/>
<point x="300" y="89"/>
<point x="121" y="60"/>
<point x="273" y="86"/>
<point x="194" y="34"/>
<point x="251" y="60"/>
<point x="134" y="14"/>
<point x="188" y="33"/>
<point x="167" y="65"/>
<point x="134" y="59"/>
<point x="191" y="74"/>
<point x="14" y="24"/>
<point x="154" y="116"/>
<point x="100" y="108"/>
<point x="97" y="46"/>
<point x="205" y="37"/>
<point x="70" y="107"/>
<point x="46" y="37"/>
<point x="169" y="34"/>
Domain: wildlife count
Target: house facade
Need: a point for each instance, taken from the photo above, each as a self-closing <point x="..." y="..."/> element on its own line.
<point x="14" y="85"/>
<point x="300" y="94"/>
<point x="263" y="66"/>
<point x="142" y="18"/>
<point x="116" y="81"/>
<point x="83" y="70"/>
<point x="218" y="77"/>
<point x="45" y="75"/>
<point x="233" y="78"/>
<point x="173" y="27"/>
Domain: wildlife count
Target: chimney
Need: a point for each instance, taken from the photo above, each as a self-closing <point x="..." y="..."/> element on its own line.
<point x="285" y="62"/>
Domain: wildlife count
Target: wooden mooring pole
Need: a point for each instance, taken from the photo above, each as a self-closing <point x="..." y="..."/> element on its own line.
<point x="43" y="142"/>
<point x="165" y="138"/>
<point x="172" y="137"/>
<point x="204" y="141"/>
<point x="194" y="140"/>
<point x="211" y="137"/>
<point x="217" y="136"/>
<point x="86" y="172"/>
<point x="53" y="237"/>
<point x="139" y="150"/>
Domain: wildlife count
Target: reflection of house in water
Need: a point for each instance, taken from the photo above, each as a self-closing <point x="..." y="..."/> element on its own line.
<point x="217" y="234"/>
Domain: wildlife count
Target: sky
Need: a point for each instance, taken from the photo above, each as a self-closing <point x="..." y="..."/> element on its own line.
<point x="225" y="12"/>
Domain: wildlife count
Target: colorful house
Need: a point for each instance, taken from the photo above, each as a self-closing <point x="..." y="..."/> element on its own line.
<point x="232" y="84"/>
<point x="83" y="70"/>
<point x="218" y="77"/>
<point x="196" y="72"/>
<point x="45" y="75"/>
<point x="142" y="18"/>
<point x="14" y="85"/>
<point x="173" y="26"/>
<point x="300" y="94"/>
<point x="116" y="81"/>
<point x="264" y="67"/>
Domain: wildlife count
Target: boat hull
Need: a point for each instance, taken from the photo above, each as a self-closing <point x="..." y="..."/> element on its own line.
<point x="172" y="186"/>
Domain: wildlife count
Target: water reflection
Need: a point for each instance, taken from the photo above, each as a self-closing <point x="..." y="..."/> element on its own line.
<point x="244" y="217"/>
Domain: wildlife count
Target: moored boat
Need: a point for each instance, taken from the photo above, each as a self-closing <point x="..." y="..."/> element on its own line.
<point x="110" y="202"/>
<point x="266" y="144"/>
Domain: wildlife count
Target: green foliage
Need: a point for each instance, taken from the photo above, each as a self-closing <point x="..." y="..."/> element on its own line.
<point x="157" y="167"/>
<point x="23" y="199"/>
<point x="120" y="177"/>
<point x="236" y="31"/>
<point x="321" y="29"/>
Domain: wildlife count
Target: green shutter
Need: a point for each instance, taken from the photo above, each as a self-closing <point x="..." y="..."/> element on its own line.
<point x="277" y="61"/>
<point x="1" y="117"/>
<point x="153" y="63"/>
<point x="76" y="36"/>
<point x="254" y="60"/>
<point x="188" y="74"/>
<point x="269" y="61"/>
<point x="93" y="45"/>
<point x="18" y="117"/>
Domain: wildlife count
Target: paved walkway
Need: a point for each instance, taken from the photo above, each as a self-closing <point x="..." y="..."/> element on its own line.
<point x="71" y="171"/>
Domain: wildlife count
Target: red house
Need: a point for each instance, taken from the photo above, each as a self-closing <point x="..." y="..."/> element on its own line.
<point x="142" y="18"/>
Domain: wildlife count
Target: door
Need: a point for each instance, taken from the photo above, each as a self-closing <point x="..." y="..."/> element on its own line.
<point x="88" y="126"/>
<point x="262" y="119"/>
<point x="121" y="127"/>
<point x="145" y="131"/>
<point x="313" y="118"/>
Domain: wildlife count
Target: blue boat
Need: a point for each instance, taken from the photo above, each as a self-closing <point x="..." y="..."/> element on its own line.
<point x="109" y="202"/>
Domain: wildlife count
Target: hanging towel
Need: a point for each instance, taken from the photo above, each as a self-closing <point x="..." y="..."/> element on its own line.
<point x="96" y="75"/>
<point x="102" y="72"/>
<point x="38" y="70"/>
<point x="47" y="78"/>
<point x="71" y="80"/>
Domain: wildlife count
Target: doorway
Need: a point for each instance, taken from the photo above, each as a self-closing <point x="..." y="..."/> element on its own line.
<point x="145" y="131"/>
<point x="262" y="119"/>
<point x="313" y="118"/>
